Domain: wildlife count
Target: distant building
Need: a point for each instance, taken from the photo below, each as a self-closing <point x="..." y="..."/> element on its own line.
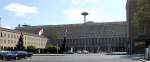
<point x="9" y="39"/>
<point x="94" y="37"/>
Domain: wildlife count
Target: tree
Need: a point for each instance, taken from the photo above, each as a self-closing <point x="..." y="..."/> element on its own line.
<point x="53" y="48"/>
<point x="30" y="48"/>
<point x="20" y="44"/>
<point x="141" y="17"/>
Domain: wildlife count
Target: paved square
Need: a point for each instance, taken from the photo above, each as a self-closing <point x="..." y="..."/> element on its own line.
<point x="77" y="58"/>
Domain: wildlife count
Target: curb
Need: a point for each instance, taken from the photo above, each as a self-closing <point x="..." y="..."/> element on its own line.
<point x="49" y="55"/>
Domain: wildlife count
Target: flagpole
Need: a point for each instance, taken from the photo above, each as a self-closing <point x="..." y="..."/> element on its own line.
<point x="40" y="34"/>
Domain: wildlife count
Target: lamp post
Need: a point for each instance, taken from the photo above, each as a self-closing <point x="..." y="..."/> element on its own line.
<point x="84" y="15"/>
<point x="64" y="41"/>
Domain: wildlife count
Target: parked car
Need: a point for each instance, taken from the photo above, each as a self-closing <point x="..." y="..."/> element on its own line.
<point x="19" y="55"/>
<point x="117" y="53"/>
<point x="23" y="54"/>
<point x="85" y="52"/>
<point x="7" y="55"/>
<point x="79" y="52"/>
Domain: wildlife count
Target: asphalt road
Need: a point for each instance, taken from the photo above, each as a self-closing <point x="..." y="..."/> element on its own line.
<point x="77" y="58"/>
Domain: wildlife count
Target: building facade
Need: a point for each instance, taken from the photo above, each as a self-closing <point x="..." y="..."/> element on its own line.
<point x="9" y="39"/>
<point x="137" y="28"/>
<point x="94" y="37"/>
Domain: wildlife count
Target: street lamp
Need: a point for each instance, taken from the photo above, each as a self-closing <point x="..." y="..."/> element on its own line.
<point x="84" y="14"/>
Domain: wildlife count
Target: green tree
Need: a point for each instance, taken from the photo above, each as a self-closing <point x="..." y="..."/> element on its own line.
<point x="30" y="48"/>
<point x="141" y="17"/>
<point x="53" y="48"/>
<point x="20" y="43"/>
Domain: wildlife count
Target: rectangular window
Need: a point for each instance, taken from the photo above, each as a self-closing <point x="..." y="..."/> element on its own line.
<point x="1" y="34"/>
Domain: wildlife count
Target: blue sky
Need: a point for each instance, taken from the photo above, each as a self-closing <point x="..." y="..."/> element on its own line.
<point x="54" y="12"/>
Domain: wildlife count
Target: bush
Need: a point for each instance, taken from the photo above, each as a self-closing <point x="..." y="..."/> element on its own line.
<point x="30" y="48"/>
<point x="52" y="48"/>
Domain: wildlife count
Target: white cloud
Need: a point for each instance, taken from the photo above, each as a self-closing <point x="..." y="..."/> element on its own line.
<point x="20" y="9"/>
<point x="75" y="14"/>
<point x="79" y="2"/>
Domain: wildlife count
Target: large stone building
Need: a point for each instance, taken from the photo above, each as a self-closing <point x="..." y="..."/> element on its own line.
<point x="94" y="37"/>
<point x="138" y="30"/>
<point x="9" y="38"/>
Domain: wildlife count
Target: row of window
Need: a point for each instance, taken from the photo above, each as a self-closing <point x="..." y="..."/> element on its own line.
<point x="14" y="36"/>
<point x="11" y="38"/>
<point x="7" y="35"/>
<point x="15" y="42"/>
<point x="90" y="35"/>
<point x="97" y="41"/>
<point x="31" y="38"/>
<point x="7" y="41"/>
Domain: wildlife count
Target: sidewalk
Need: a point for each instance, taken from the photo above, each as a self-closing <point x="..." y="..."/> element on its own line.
<point x="49" y="54"/>
<point x="66" y="54"/>
<point x="140" y="57"/>
<point x="144" y="60"/>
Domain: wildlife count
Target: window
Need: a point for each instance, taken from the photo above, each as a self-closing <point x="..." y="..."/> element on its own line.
<point x="8" y="41"/>
<point x="15" y="36"/>
<point x="4" y="34"/>
<point x="4" y="41"/>
<point x="1" y="40"/>
<point x="11" y="41"/>
<point x="8" y="36"/>
<point x="11" y="36"/>
<point x="1" y="34"/>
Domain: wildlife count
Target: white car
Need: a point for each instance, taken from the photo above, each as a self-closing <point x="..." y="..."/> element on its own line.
<point x="85" y="52"/>
<point x="79" y="52"/>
